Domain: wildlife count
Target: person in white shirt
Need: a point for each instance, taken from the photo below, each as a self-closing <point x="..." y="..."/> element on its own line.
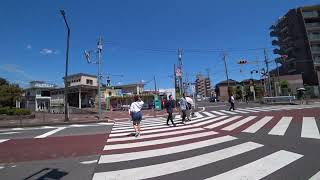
<point x="136" y="115"/>
<point x="231" y="101"/>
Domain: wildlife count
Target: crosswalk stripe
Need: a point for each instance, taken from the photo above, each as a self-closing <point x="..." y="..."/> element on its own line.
<point x="249" y="110"/>
<point x="3" y="140"/>
<point x="155" y="135"/>
<point x="218" y="113"/>
<point x="281" y="127"/>
<point x="50" y="133"/>
<point x="239" y="123"/>
<point x="197" y="114"/>
<point x="144" y="131"/>
<point x="228" y="112"/>
<point x="163" y="151"/>
<point x="146" y="128"/>
<point x="209" y="114"/>
<point x="141" y="125"/>
<point x="316" y="176"/>
<point x="179" y="165"/>
<point x="258" y="125"/>
<point x="222" y="122"/>
<point x="309" y="128"/>
<point x="260" y="168"/>
<point x="258" y="109"/>
<point x="158" y="141"/>
<point x="210" y="121"/>
<point x="239" y="111"/>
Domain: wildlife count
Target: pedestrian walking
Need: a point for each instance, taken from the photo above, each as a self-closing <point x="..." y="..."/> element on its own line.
<point x="183" y="107"/>
<point x="231" y="101"/>
<point x="190" y="105"/>
<point x="169" y="105"/>
<point x="136" y="115"/>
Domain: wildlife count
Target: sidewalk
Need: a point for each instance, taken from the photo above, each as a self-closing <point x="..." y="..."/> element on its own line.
<point x="46" y="119"/>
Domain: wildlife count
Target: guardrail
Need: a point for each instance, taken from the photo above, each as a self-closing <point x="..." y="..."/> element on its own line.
<point x="279" y="99"/>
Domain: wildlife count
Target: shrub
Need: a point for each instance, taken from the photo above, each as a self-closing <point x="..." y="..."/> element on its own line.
<point x="14" y="111"/>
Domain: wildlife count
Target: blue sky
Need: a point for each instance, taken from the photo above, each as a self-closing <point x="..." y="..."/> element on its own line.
<point x="141" y="37"/>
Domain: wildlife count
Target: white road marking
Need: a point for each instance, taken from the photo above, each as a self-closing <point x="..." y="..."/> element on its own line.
<point x="163" y="151"/>
<point x="218" y="113"/>
<point x="228" y="112"/>
<point x="246" y="109"/>
<point x="281" y="127"/>
<point x="50" y="132"/>
<point x="222" y="122"/>
<point x="106" y="123"/>
<point x="239" y="111"/>
<point x="177" y="166"/>
<point x="1" y="167"/>
<point x="158" y="141"/>
<point x="239" y="123"/>
<point x="261" y="167"/>
<point x="155" y="135"/>
<point x="4" y="133"/>
<point x="4" y="140"/>
<point x="141" y="125"/>
<point x="316" y="176"/>
<point x="210" y="121"/>
<point x="209" y="114"/>
<point x="310" y="128"/>
<point x="152" y="131"/>
<point x="203" y="108"/>
<point x="89" y="162"/>
<point x="17" y="129"/>
<point x="258" y="125"/>
<point x="198" y="115"/>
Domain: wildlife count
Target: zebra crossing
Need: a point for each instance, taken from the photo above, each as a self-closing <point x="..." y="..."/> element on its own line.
<point x="167" y="152"/>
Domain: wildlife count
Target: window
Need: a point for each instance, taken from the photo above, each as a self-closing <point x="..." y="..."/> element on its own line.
<point x="89" y="81"/>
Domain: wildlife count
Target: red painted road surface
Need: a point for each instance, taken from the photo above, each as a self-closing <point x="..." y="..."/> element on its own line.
<point x="18" y="150"/>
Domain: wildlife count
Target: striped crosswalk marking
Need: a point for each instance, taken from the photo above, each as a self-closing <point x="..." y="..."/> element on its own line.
<point x="50" y="133"/>
<point x="258" y="125"/>
<point x="163" y="151"/>
<point x="198" y="115"/>
<point x="239" y="111"/>
<point x="210" y="121"/>
<point x="3" y="140"/>
<point x="218" y="113"/>
<point x="142" y="126"/>
<point x="158" y="141"/>
<point x="261" y="167"/>
<point x="309" y="128"/>
<point x="247" y="109"/>
<point x="156" y="135"/>
<point x="209" y="114"/>
<point x="222" y="122"/>
<point x="179" y="165"/>
<point x="316" y="176"/>
<point x="281" y="127"/>
<point x="228" y="112"/>
<point x="239" y="123"/>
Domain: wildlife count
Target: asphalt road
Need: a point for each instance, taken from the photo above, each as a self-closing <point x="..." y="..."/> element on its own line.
<point x="253" y="142"/>
<point x="51" y="152"/>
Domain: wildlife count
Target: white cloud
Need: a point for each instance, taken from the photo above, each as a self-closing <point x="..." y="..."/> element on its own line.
<point x="47" y="51"/>
<point x="12" y="68"/>
<point x="29" y="46"/>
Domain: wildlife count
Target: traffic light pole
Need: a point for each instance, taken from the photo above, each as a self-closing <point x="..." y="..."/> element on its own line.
<point x="226" y="69"/>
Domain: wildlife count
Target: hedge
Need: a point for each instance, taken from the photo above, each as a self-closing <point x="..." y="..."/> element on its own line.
<point x="14" y="111"/>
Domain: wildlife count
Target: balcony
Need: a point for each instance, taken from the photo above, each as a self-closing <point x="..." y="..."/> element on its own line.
<point x="310" y="14"/>
<point x="275" y="43"/>
<point x="288" y="49"/>
<point x="274" y="34"/>
<point x="314" y="37"/>
<point x="313" y="26"/>
<point x="315" y="50"/>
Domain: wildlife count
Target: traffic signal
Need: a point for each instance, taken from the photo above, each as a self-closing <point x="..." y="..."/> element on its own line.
<point x="242" y="62"/>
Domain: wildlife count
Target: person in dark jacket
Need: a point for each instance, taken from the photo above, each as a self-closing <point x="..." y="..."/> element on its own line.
<point x="170" y="105"/>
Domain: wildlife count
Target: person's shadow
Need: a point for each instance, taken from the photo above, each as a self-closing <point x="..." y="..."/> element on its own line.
<point x="50" y="174"/>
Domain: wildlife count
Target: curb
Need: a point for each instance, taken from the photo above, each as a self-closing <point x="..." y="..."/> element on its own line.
<point x="53" y="124"/>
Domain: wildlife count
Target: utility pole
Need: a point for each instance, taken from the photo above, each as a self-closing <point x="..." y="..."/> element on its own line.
<point x="99" y="73"/>
<point x="180" y="67"/>
<point x="224" y="57"/>
<point x="66" y="104"/>
<point x="99" y="76"/>
<point x="268" y="73"/>
<point x="155" y="84"/>
<point x="175" y="79"/>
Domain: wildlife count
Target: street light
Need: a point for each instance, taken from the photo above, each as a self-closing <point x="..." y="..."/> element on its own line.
<point x="66" y="112"/>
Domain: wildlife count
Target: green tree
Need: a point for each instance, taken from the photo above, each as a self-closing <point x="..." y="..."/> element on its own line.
<point x="9" y="93"/>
